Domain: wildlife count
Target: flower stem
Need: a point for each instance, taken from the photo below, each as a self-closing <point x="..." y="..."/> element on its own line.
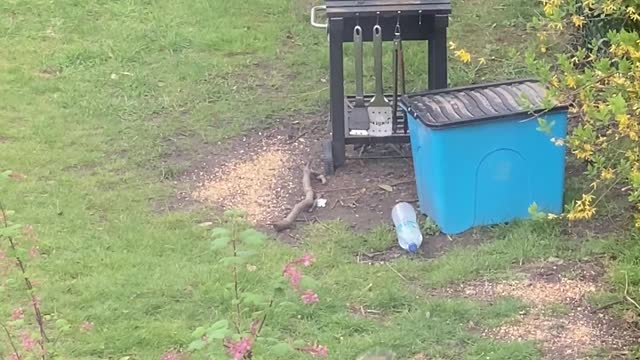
<point x="13" y="346"/>
<point x="235" y="279"/>
<point x="34" y="302"/>
<point x="264" y="318"/>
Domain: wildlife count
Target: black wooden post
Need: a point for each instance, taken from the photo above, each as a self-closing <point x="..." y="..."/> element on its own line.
<point x="438" y="53"/>
<point x="336" y="88"/>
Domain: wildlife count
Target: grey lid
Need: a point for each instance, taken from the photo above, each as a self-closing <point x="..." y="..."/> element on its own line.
<point x="340" y="8"/>
<point x="448" y="107"/>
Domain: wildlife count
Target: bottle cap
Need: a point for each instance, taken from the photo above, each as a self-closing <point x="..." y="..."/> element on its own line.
<point x="413" y="248"/>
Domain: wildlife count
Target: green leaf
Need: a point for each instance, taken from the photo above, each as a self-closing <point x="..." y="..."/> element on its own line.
<point x="219" y="325"/>
<point x="299" y="343"/>
<point x="217" y="334"/>
<point x="252" y="237"/>
<point x="624" y="66"/>
<point x="11" y="230"/>
<point x="618" y="104"/>
<point x="603" y="65"/>
<point x="197" y="345"/>
<point x="280" y="287"/>
<point x="220" y="243"/>
<point x="199" y="332"/>
<point x="220" y="232"/>
<point x="533" y="209"/>
<point x="281" y="349"/>
<point x="232" y="260"/>
<point x="18" y="253"/>
<point x="5" y="174"/>
<point x="545" y="127"/>
<point x="62" y="325"/>
<point x="254" y="299"/>
<point x="286" y="303"/>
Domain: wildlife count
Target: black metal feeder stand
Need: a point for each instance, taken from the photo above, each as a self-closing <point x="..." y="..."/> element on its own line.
<point x="419" y="20"/>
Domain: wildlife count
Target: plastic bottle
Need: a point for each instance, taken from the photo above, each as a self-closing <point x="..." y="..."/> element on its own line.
<point x="407" y="229"/>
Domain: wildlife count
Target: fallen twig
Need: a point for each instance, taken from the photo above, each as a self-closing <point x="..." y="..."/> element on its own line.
<point x="607" y="305"/>
<point x="626" y="291"/>
<point x="400" y="182"/>
<point x="396" y="271"/>
<point x="303" y="133"/>
<point x="306" y="203"/>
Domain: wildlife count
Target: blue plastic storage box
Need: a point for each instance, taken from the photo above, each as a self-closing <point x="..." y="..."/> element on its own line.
<point x="480" y="155"/>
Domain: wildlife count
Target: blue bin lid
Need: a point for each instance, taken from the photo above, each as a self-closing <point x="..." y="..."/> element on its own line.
<point x="480" y="103"/>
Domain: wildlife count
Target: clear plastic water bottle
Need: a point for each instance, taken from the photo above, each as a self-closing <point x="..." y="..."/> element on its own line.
<point x="407" y="229"/>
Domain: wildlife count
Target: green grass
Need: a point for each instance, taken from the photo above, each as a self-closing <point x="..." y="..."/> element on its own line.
<point x="96" y="95"/>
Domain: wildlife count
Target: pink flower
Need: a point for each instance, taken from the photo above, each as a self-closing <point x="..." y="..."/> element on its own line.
<point x="171" y="355"/>
<point x="28" y="343"/>
<point x="33" y="252"/>
<point x="239" y="349"/>
<point x="306" y="260"/>
<point x="17" y="314"/>
<point x="309" y="297"/>
<point x="316" y="350"/>
<point x="86" y="326"/>
<point x="291" y="273"/>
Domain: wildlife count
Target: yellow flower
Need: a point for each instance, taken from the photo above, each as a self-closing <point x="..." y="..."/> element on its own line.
<point x="627" y="127"/>
<point x="584" y="152"/>
<point x="619" y="79"/>
<point x="452" y="45"/>
<point x="587" y="197"/>
<point x="463" y="55"/>
<point x="607" y="174"/>
<point x="583" y="208"/>
<point x="571" y="82"/>
<point x="551" y="6"/>
<point x="556" y="26"/>
<point x="543" y="49"/>
<point x="578" y="21"/>
<point x="609" y="7"/>
<point x="632" y="13"/>
<point x="554" y="81"/>
<point x="637" y="221"/>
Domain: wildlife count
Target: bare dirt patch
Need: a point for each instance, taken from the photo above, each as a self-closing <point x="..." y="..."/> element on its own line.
<point x="262" y="173"/>
<point x="573" y="333"/>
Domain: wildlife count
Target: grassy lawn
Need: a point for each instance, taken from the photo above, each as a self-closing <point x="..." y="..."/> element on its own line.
<point x="95" y="95"/>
